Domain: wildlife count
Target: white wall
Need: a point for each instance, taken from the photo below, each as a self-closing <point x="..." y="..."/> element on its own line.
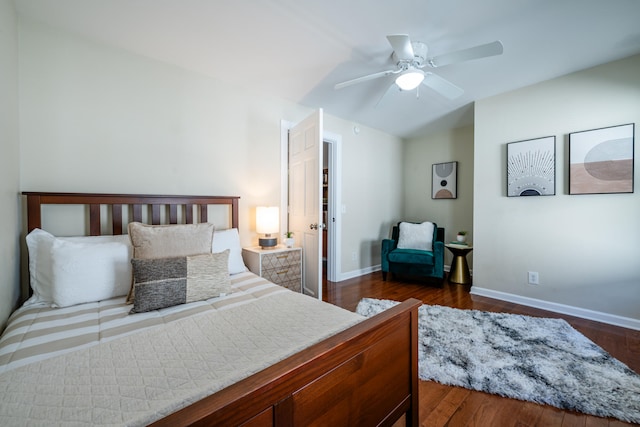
<point x="85" y="107"/>
<point x="9" y="161"/>
<point x="420" y="154"/>
<point x="100" y="119"/>
<point x="584" y="247"/>
<point x="371" y="193"/>
<point x="97" y="119"/>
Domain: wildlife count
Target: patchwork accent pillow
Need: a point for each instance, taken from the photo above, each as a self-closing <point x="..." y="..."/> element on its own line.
<point x="165" y="282"/>
<point x="168" y="241"/>
<point x="416" y="236"/>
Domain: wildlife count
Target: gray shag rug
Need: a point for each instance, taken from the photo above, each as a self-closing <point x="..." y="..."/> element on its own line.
<point x="528" y="358"/>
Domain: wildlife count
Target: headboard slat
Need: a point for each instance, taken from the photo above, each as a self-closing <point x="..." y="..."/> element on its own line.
<point x="155" y="214"/>
<point x="116" y="219"/>
<point x="94" y="220"/>
<point x="137" y="213"/>
<point x="203" y="213"/>
<point x="137" y="202"/>
<point x="173" y="214"/>
<point x="188" y="215"/>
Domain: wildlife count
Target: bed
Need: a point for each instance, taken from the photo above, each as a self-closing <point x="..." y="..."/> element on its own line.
<point x="256" y="354"/>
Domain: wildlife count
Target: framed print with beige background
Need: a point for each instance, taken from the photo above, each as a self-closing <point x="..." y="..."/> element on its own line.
<point x="444" y="180"/>
<point x="601" y="160"/>
<point x="531" y="167"/>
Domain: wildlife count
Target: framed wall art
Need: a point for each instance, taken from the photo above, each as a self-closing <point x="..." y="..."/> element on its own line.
<point x="444" y="180"/>
<point x="531" y="167"/>
<point x="601" y="160"/>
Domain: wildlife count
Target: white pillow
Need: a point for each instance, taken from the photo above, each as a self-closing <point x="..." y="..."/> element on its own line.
<point x="91" y="268"/>
<point x="89" y="271"/>
<point x="229" y="239"/>
<point x="39" y="244"/>
<point x="416" y="236"/>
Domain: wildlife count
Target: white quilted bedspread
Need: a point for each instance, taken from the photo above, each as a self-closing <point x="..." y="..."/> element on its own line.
<point x="139" y="378"/>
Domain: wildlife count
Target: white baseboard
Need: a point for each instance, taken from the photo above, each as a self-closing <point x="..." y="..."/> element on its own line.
<point x="362" y="272"/>
<point x="611" y="319"/>
<point x="357" y="273"/>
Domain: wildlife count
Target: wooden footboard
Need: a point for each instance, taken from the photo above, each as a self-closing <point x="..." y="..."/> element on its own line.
<point x="366" y="375"/>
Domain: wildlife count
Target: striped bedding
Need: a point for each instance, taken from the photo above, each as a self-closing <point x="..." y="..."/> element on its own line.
<point x="116" y="369"/>
<point x="36" y="333"/>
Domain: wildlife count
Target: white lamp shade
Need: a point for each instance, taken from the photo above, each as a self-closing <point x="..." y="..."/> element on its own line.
<point x="267" y="219"/>
<point x="410" y="79"/>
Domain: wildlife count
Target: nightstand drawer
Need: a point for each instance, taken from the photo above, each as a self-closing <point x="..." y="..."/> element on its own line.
<point x="280" y="259"/>
<point x="282" y="266"/>
<point x="294" y="285"/>
<point x="282" y="275"/>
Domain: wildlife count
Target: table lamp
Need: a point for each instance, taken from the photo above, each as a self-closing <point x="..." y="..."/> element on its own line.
<point x="267" y="223"/>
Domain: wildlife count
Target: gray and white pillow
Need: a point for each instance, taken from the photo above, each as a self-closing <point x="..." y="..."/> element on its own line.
<point x="167" y="241"/>
<point x="165" y="282"/>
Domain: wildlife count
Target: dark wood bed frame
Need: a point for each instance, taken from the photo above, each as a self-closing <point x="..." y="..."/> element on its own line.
<point x="366" y="375"/>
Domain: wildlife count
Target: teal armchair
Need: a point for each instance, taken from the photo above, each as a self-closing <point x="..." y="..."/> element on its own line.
<point x="414" y="262"/>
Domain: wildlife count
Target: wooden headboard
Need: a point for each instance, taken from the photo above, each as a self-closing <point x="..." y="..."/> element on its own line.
<point x="136" y="203"/>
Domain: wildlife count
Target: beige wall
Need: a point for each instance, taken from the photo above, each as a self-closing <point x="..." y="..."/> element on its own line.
<point x="9" y="161"/>
<point x="585" y="247"/>
<point x="100" y="119"/>
<point x="419" y="156"/>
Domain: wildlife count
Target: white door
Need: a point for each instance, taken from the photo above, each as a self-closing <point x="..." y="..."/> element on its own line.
<point x="305" y="213"/>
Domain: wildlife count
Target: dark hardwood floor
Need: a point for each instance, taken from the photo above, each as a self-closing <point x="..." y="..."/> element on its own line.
<point x="442" y="405"/>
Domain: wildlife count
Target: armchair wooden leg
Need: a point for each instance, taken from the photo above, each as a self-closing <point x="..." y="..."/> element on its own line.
<point x="384" y="276"/>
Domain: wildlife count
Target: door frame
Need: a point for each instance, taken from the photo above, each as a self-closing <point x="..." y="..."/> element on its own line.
<point x="335" y="193"/>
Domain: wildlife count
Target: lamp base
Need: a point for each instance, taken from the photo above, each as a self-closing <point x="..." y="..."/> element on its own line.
<point x="268" y="242"/>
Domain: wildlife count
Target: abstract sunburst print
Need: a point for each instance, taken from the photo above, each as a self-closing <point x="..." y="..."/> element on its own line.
<point x="531" y="167"/>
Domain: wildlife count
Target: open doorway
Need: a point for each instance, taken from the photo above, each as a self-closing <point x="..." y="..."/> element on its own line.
<point x="326" y="200"/>
<point x="332" y="150"/>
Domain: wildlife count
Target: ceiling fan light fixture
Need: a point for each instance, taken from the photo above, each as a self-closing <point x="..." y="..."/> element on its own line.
<point x="410" y="79"/>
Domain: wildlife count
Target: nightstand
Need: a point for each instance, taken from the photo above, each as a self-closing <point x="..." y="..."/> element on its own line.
<point x="281" y="265"/>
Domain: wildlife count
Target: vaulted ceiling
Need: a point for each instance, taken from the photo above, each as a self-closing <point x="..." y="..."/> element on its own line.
<point x="299" y="49"/>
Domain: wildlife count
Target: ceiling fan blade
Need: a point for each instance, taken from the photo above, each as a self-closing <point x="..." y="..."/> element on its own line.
<point x="481" y="51"/>
<point x="442" y="86"/>
<point x="391" y="87"/>
<point x="401" y="45"/>
<point x="364" y="78"/>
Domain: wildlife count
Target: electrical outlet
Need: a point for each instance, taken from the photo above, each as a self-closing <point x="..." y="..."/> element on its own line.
<point x="354" y="256"/>
<point x="534" y="278"/>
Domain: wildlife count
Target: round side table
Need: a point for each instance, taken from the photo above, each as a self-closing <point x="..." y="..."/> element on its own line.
<point x="459" y="272"/>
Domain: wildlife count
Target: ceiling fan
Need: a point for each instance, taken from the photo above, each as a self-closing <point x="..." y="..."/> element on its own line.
<point x="411" y="58"/>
